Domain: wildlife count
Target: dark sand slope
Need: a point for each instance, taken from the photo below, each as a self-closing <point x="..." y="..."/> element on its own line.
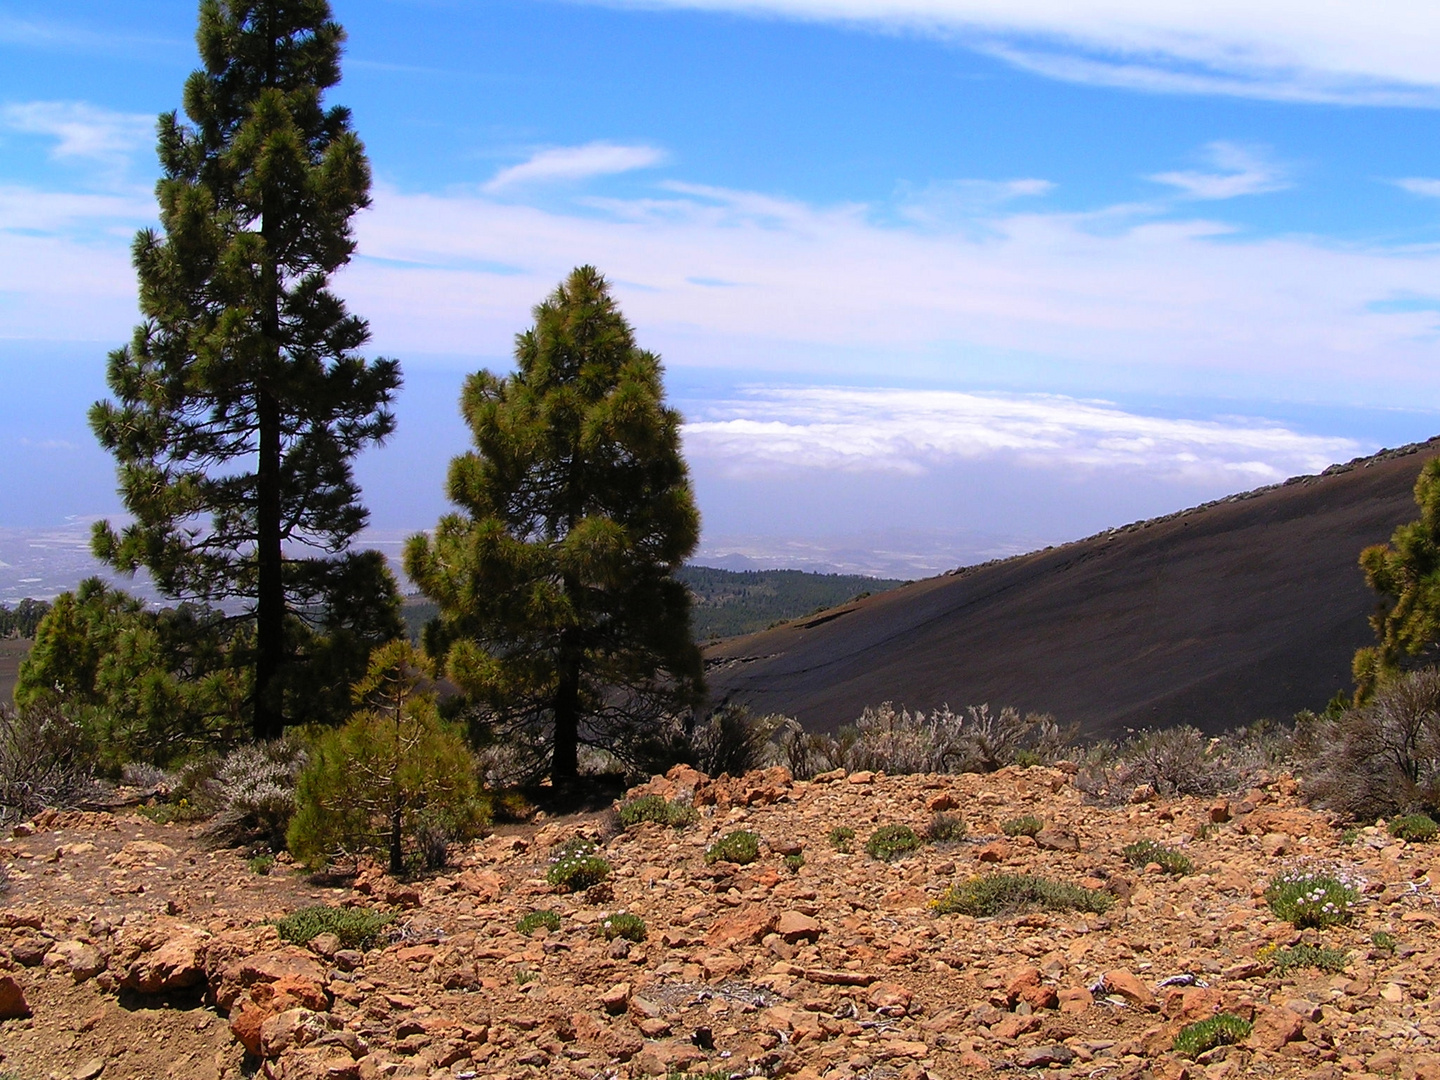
<point x="1246" y="608"/>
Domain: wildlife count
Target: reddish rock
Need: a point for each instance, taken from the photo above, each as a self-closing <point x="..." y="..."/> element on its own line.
<point x="485" y="886"/>
<point x="794" y="926"/>
<point x="997" y="851"/>
<point x="304" y="979"/>
<point x="943" y="801"/>
<point x="1056" y="840"/>
<point x="293" y="1027"/>
<point x="1274" y="1028"/>
<point x="1127" y="986"/>
<point x="889" y="999"/>
<point x="1012" y="1027"/>
<point x="615" y="1000"/>
<point x="178" y="964"/>
<point x="744" y="926"/>
<point x="1075" y="1000"/>
<point x="13" y="1005"/>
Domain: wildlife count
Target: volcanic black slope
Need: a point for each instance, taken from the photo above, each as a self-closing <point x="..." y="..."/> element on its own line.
<point x="1245" y="608"/>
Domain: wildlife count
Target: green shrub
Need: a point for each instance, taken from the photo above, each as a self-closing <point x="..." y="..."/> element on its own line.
<point x="394" y="773"/>
<point x="357" y="928"/>
<point x="1224" y="1029"/>
<point x="1308" y="898"/>
<point x="741" y="846"/>
<point x="622" y="925"/>
<point x="793" y="863"/>
<point x="1417" y="828"/>
<point x="1025" y="825"/>
<point x="946" y="829"/>
<point x="576" y="866"/>
<point x="1144" y="852"/>
<point x="891" y="842"/>
<point x="1383" y="941"/>
<point x="1320" y="957"/>
<point x="841" y="836"/>
<point x="1000" y="894"/>
<point x="261" y="864"/>
<point x="525" y="976"/>
<point x="1349" y="836"/>
<point x="531" y="922"/>
<point x="657" y="809"/>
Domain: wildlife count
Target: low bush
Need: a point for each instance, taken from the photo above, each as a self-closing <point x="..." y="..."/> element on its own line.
<point x="1319" y="957"/>
<point x="261" y="864"/>
<point x="356" y="927"/>
<point x="1003" y="894"/>
<point x="250" y="792"/>
<point x="45" y="760"/>
<point x="1381" y="759"/>
<point x="658" y="809"/>
<point x="1384" y="941"/>
<point x="1223" y="1029"/>
<point x="733" y="741"/>
<point x="1144" y="852"/>
<point x="531" y="922"/>
<point x="1306" y="898"/>
<point x="794" y="862"/>
<point x="1416" y="828"/>
<point x="1173" y="761"/>
<point x="946" y="829"/>
<point x="577" y="865"/>
<point x="840" y="837"/>
<point x="622" y="925"/>
<point x="741" y="846"/>
<point x="1025" y="825"/>
<point x="891" y="842"/>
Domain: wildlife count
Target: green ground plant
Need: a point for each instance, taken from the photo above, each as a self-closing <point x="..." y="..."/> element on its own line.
<point x="532" y="921"/>
<point x="946" y="829"/>
<point x="622" y="925"/>
<point x="576" y="866"/>
<point x="793" y="863"/>
<point x="1224" y="1029"/>
<point x="890" y="842"/>
<point x="1004" y="894"/>
<point x="1306" y="898"/>
<point x="1025" y="825"/>
<point x="741" y="846"/>
<point x="261" y="864"/>
<point x="840" y="837"/>
<point x="1319" y="957"/>
<point x="1144" y="852"/>
<point x="1416" y="828"/>
<point x="357" y="928"/>
<point x="658" y="809"/>
<point x="1384" y="941"/>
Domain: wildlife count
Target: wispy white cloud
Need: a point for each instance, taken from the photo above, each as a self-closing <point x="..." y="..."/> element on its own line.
<point x="962" y="201"/>
<point x="1382" y="52"/>
<point x="912" y="432"/>
<point x="576" y="163"/>
<point x="1420" y="185"/>
<point x="80" y="130"/>
<point x="1238" y="170"/>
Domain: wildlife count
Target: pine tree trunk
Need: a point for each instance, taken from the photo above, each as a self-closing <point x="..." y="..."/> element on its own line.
<point x="397" y="850"/>
<point x="565" y="762"/>
<point x="270" y="586"/>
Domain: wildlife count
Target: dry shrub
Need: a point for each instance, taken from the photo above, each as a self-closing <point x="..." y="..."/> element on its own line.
<point x="733" y="741"/>
<point x="1173" y="761"/>
<point x="1382" y="758"/>
<point x="251" y="791"/>
<point x="45" y="760"/>
<point x="898" y="741"/>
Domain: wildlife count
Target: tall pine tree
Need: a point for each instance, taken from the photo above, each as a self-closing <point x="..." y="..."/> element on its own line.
<point x="241" y="398"/>
<point x="559" y="610"/>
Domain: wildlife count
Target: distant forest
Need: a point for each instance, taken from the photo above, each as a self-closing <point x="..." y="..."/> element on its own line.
<point x="728" y="603"/>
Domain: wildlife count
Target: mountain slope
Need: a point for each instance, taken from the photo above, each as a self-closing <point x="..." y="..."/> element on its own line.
<point x="1246" y="608"/>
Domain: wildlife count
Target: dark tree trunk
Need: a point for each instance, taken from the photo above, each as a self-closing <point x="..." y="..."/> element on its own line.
<point x="397" y="850"/>
<point x="565" y="762"/>
<point x="270" y="584"/>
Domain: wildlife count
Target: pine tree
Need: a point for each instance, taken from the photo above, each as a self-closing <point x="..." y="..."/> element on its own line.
<point x="559" y="611"/>
<point x="241" y="398"/>
<point x="1406" y="574"/>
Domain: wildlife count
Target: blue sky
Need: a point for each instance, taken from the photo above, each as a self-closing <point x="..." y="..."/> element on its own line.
<point x="951" y="275"/>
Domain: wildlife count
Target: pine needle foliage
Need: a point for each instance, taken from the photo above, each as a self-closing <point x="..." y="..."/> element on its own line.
<point x="242" y="399"/>
<point x="393" y="771"/>
<point x="560" y="614"/>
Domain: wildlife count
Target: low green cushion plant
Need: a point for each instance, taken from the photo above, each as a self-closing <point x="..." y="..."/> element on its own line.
<point x="841" y="836"/>
<point x="1145" y="852"/>
<point x="891" y="841"/>
<point x="356" y="927"/>
<point x="1025" y="825"/>
<point x="622" y="925"/>
<point x="528" y="924"/>
<point x="1319" y="957"/>
<point x="1003" y="894"/>
<point x="1223" y="1029"/>
<point x="658" y="809"/>
<point x="946" y="829"/>
<point x="741" y="846"/>
<point x="1417" y="828"/>
<point x="1306" y="898"/>
<point x="577" y="865"/>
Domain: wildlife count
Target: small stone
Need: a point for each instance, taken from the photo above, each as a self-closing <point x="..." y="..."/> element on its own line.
<point x="1040" y="1057"/>
<point x="794" y="926"/>
<point x="1121" y="982"/>
<point x="1056" y="840"/>
<point x="90" y="1070"/>
<point x="12" y="1000"/>
<point x="615" y="1000"/>
<point x="889" y="999"/>
<point x="1273" y="1028"/>
<point x="997" y="851"/>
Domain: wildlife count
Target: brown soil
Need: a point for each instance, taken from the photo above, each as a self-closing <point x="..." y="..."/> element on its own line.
<point x="1240" y="610"/>
<point x="839" y="969"/>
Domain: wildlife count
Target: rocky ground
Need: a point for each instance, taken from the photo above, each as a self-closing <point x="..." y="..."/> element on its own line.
<point x="133" y="950"/>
